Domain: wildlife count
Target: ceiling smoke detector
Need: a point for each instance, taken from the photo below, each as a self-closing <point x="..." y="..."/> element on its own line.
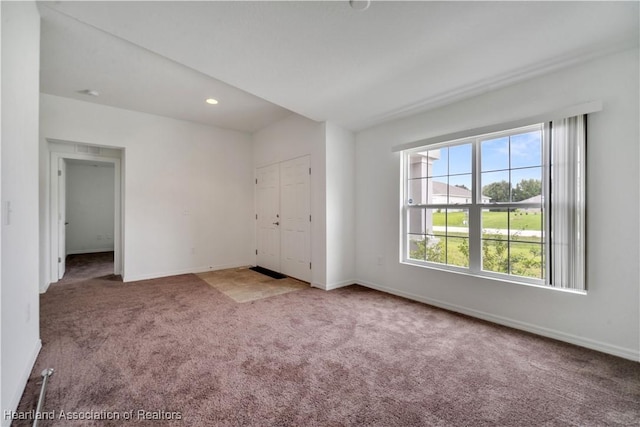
<point x="360" y="4"/>
<point x="89" y="92"/>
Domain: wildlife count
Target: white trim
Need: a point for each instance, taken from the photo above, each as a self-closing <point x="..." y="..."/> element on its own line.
<point x="318" y="285"/>
<point x="190" y="270"/>
<point x="276" y="162"/>
<point x="332" y="286"/>
<point x="495" y="83"/>
<point x="340" y="284"/>
<point x="22" y="384"/>
<point x="626" y="353"/>
<point x="487" y="275"/>
<point x="570" y="111"/>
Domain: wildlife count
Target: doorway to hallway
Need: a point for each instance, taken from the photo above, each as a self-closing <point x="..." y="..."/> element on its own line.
<point x="97" y="265"/>
<point x="85" y="208"/>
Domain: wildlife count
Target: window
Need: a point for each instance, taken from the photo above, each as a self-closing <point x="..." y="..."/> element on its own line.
<point x="507" y="205"/>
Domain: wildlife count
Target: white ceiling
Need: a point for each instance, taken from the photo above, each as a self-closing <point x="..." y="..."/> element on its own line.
<point x="76" y="57"/>
<point x="322" y="60"/>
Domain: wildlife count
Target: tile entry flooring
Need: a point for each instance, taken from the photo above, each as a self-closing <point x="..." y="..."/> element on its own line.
<point x="244" y="285"/>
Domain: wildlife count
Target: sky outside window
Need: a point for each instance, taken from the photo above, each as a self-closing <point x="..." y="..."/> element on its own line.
<point x="520" y="151"/>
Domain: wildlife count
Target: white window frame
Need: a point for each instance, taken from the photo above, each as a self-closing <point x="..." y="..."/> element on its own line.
<point x="476" y="206"/>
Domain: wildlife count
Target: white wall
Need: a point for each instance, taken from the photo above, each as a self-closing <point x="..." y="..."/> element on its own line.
<point x="340" y="206"/>
<point x="90" y="207"/>
<point x="293" y="137"/>
<point x="607" y="318"/>
<point x="19" y="294"/>
<point x="332" y="151"/>
<point x="188" y="188"/>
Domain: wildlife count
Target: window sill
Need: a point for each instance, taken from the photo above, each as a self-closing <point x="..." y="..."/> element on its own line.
<point x="490" y="277"/>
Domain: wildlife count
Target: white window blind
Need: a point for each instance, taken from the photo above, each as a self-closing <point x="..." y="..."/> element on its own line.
<point x="567" y="214"/>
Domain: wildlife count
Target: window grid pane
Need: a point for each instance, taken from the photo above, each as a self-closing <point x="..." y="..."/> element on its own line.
<point x="415" y="221"/>
<point x="512" y="242"/>
<point x="450" y="242"/>
<point x="414" y="244"/>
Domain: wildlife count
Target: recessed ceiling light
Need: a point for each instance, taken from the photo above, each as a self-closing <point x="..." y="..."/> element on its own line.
<point x="211" y="101"/>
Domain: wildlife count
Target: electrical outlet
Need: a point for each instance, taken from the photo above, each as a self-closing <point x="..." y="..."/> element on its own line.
<point x="379" y="260"/>
<point x="193" y="251"/>
<point x="99" y="237"/>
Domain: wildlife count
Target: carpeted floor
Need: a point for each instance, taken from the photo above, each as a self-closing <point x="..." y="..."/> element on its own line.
<point x="89" y="266"/>
<point x="347" y="357"/>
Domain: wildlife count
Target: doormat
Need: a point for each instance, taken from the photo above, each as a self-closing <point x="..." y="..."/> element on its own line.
<point x="267" y="272"/>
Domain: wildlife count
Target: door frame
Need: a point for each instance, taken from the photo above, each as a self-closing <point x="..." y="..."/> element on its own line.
<point x="54" y="200"/>
<point x="62" y="208"/>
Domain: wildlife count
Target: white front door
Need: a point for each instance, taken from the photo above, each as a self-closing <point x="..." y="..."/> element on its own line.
<point x="268" y="217"/>
<point x="284" y="218"/>
<point x="295" y="218"/>
<point x="62" y="217"/>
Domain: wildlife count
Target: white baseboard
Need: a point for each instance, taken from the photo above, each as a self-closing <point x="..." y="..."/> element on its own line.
<point x="625" y="353"/>
<point x="44" y="287"/>
<point x="318" y="285"/>
<point x="331" y="286"/>
<point x="191" y="270"/>
<point x="342" y="284"/>
<point x="24" y="377"/>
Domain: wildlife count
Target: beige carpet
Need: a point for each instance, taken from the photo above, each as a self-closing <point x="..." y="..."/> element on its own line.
<point x="348" y="357"/>
<point x="244" y="285"/>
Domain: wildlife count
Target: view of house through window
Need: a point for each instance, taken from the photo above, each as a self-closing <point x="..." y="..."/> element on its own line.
<point x="478" y="204"/>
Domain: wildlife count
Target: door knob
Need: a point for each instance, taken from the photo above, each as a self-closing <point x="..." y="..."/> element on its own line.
<point x="276" y="223"/>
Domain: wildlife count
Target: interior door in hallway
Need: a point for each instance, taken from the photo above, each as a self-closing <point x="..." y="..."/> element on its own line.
<point x="284" y="218"/>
